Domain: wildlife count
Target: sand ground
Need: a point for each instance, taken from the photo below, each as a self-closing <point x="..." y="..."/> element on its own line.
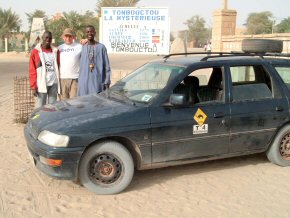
<point x="247" y="186"/>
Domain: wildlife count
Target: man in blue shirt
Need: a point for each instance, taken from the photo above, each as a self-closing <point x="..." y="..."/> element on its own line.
<point x="95" y="68"/>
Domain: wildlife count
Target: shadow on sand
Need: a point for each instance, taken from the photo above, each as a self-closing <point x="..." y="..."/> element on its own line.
<point x="146" y="178"/>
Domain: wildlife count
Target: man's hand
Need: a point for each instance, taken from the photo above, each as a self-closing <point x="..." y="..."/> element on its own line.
<point x="83" y="41"/>
<point x="35" y="92"/>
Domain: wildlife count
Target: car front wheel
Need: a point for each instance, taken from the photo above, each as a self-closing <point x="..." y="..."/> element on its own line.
<point x="106" y="168"/>
<point x="279" y="152"/>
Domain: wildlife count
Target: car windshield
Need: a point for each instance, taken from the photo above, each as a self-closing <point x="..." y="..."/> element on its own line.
<point x="145" y="83"/>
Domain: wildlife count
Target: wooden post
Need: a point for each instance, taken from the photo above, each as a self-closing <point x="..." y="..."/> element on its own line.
<point x="26" y="45"/>
<point x="6" y="45"/>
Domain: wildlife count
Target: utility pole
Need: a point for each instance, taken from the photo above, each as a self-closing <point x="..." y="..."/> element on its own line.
<point x="273" y="26"/>
<point x="6" y="45"/>
<point x="225" y="4"/>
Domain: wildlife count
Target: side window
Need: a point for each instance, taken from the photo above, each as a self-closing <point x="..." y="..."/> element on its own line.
<point x="242" y="74"/>
<point x="203" y="75"/>
<point x="202" y="85"/>
<point x="250" y="83"/>
<point x="284" y="73"/>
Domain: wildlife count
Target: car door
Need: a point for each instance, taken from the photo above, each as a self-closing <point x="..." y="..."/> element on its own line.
<point x="258" y="107"/>
<point x="190" y="131"/>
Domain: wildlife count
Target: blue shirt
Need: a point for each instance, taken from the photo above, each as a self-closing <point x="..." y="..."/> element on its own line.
<point x="92" y="81"/>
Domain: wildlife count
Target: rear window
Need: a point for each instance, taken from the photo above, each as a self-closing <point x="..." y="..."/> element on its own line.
<point x="242" y="74"/>
<point x="250" y="83"/>
<point x="284" y="73"/>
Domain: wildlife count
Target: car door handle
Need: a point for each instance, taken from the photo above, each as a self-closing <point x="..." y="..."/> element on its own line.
<point x="279" y="108"/>
<point x="218" y="115"/>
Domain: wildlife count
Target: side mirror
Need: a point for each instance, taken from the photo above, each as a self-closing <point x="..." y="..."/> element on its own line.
<point x="176" y="100"/>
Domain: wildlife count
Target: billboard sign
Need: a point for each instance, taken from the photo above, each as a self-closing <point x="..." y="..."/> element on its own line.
<point x="134" y="30"/>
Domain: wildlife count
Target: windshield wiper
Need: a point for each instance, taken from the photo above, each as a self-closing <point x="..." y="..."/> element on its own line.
<point x="122" y="95"/>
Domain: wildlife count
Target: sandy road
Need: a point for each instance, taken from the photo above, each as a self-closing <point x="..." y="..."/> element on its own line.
<point x="238" y="187"/>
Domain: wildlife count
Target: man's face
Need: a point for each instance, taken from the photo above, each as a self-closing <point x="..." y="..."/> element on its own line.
<point x="90" y="32"/>
<point x="68" y="39"/>
<point x="46" y="39"/>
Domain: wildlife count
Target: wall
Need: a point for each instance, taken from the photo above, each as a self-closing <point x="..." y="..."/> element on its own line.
<point x="16" y="42"/>
<point x="234" y="43"/>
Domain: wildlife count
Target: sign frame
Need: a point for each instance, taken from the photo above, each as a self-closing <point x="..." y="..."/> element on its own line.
<point x="135" y="30"/>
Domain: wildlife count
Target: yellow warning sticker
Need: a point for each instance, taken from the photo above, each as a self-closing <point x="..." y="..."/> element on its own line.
<point x="200" y="117"/>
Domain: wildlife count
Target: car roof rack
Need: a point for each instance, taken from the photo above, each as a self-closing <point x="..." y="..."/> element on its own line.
<point x="227" y="54"/>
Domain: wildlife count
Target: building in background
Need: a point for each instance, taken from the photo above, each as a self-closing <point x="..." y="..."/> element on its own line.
<point x="226" y="37"/>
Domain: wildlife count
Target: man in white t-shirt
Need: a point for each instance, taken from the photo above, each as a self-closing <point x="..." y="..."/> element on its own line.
<point x="70" y="54"/>
<point x="44" y="71"/>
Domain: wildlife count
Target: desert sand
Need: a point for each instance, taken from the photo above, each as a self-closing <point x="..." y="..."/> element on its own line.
<point x="248" y="186"/>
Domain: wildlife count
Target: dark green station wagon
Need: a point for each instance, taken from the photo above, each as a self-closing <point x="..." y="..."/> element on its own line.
<point x="182" y="109"/>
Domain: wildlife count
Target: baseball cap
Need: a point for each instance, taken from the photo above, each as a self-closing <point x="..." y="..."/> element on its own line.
<point x="68" y="31"/>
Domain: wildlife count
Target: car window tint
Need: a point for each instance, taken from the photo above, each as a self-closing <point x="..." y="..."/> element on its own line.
<point x="242" y="73"/>
<point x="203" y="75"/>
<point x="284" y="73"/>
<point x="250" y="83"/>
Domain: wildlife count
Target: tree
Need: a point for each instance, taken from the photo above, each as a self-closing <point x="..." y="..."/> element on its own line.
<point x="77" y="22"/>
<point x="114" y="3"/>
<point x="91" y="19"/>
<point x="259" y="23"/>
<point x="56" y="27"/>
<point x="283" y="26"/>
<point x="9" y="22"/>
<point x="197" y="31"/>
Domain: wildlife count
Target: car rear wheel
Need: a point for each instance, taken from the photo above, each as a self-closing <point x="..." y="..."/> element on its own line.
<point x="106" y="168"/>
<point x="262" y="45"/>
<point x="279" y="152"/>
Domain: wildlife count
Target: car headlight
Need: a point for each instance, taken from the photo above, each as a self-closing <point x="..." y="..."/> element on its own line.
<point x="53" y="139"/>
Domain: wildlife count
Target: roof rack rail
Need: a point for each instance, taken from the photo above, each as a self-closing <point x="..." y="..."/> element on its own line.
<point x="243" y="54"/>
<point x="192" y="53"/>
<point x="231" y="54"/>
<point x="227" y="54"/>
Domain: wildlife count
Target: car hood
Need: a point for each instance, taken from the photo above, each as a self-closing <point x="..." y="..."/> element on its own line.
<point x="67" y="110"/>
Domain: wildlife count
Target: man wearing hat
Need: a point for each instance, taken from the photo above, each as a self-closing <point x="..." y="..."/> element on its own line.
<point x="70" y="54"/>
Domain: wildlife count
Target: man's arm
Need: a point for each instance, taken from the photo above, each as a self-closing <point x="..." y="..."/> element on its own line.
<point x="33" y="72"/>
<point x="106" y="69"/>
<point x="58" y="59"/>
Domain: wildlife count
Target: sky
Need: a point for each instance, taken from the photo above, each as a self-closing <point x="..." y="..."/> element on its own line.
<point x="179" y="10"/>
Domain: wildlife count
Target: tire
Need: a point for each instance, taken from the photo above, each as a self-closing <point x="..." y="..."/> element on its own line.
<point x="262" y="46"/>
<point x="106" y="168"/>
<point x="279" y="152"/>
